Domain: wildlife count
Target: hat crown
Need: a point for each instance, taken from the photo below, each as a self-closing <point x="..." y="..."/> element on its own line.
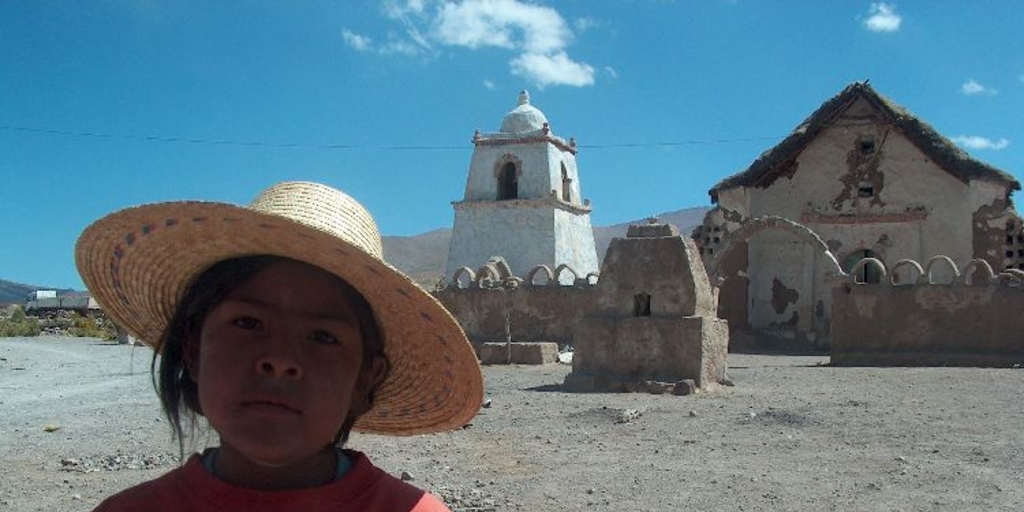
<point x="324" y="208"/>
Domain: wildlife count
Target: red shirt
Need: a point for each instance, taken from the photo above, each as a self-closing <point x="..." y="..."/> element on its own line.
<point x="191" y="488"/>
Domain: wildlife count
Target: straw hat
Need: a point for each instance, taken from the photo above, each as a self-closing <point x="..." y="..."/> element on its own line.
<point x="138" y="263"/>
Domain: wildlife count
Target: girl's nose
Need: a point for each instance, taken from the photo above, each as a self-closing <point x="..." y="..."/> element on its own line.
<point x="279" y="362"/>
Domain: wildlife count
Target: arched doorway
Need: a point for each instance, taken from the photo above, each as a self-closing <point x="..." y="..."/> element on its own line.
<point x="867" y="273"/>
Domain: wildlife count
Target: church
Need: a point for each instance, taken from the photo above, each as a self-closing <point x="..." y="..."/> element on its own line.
<point x="861" y="177"/>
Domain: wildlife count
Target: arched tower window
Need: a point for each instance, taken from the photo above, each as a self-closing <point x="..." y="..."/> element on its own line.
<point x="508" y="182"/>
<point x="566" y="185"/>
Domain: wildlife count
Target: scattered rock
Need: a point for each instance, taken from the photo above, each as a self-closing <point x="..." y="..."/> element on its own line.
<point x="685" y="387"/>
<point x="628" y="415"/>
<point x="117" y="462"/>
<point x="407" y="476"/>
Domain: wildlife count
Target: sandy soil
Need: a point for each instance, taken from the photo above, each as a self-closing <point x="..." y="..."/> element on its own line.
<point x="79" y="420"/>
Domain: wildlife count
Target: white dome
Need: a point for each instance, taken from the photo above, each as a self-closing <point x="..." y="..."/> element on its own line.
<point x="524" y="118"/>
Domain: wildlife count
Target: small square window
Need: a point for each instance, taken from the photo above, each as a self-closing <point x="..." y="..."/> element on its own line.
<point x="866" y="191"/>
<point x="866" y="146"/>
<point x="1009" y="240"/>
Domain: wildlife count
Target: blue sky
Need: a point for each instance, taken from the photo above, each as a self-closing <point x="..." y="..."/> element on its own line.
<point x="108" y="104"/>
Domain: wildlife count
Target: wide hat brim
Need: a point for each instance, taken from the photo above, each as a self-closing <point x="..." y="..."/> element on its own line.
<point x="138" y="263"/>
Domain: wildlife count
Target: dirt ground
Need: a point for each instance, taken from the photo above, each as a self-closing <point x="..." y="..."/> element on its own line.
<point x="79" y="421"/>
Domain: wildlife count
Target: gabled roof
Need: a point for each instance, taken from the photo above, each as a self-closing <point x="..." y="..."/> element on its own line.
<point x="777" y="160"/>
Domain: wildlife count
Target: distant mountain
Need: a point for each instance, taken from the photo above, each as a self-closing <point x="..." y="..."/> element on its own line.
<point x="423" y="257"/>
<point x="13" y="292"/>
<point x="685" y="219"/>
<point x="16" y="293"/>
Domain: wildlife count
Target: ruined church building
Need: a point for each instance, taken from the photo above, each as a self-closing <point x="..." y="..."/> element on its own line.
<point x="860" y="178"/>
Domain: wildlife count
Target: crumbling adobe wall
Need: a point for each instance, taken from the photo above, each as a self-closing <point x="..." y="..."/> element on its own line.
<point x="972" y="321"/>
<point x="536" y="312"/>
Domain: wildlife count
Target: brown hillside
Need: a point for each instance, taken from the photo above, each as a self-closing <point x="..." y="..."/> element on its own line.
<point x="423" y="257"/>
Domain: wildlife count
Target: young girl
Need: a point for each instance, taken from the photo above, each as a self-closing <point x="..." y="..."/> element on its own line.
<point x="283" y="327"/>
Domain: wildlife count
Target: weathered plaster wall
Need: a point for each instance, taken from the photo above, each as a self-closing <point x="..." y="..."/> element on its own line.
<point x="575" y="243"/>
<point x="990" y="222"/>
<point x="663" y="268"/>
<point x="650" y="349"/>
<point x="521" y="231"/>
<point x="927" y="324"/>
<point x="526" y="232"/>
<point x="536" y="313"/>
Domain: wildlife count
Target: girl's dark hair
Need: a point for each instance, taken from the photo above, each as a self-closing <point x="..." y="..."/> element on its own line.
<point x="179" y="394"/>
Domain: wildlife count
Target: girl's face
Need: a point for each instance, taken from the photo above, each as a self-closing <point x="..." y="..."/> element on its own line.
<point x="279" y="366"/>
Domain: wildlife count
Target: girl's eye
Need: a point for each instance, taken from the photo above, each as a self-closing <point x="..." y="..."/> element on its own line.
<point x="246" y="322"/>
<point x="323" y="337"/>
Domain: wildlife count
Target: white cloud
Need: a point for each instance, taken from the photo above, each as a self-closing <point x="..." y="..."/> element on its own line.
<point x="489" y="84"/>
<point x="977" y="142"/>
<point x="502" y="23"/>
<point x="882" y="17"/>
<point x="973" y="88"/>
<point x="536" y="35"/>
<point x="557" y="69"/>
<point x="584" y="24"/>
<point x="611" y="71"/>
<point x="360" y="43"/>
<point x="400" y="47"/>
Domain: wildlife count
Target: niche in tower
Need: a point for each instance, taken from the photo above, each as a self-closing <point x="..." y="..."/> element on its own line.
<point x="508" y="182"/>
<point x="566" y="185"/>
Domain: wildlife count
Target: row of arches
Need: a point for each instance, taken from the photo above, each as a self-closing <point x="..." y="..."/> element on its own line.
<point x="977" y="272"/>
<point x="497" y="274"/>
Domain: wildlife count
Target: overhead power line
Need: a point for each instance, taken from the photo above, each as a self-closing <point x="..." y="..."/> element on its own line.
<point x="307" y="145"/>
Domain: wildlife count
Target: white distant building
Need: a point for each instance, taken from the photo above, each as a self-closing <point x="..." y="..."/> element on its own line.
<point x="523" y="201"/>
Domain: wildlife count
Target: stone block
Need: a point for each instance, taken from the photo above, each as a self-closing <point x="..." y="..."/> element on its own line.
<point x="685" y="387"/>
<point x="521" y="353"/>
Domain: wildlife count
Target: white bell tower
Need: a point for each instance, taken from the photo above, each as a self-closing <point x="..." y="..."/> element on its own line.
<point x="523" y="201"/>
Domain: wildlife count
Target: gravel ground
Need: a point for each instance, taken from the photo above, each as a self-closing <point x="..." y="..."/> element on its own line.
<point x="79" y="421"/>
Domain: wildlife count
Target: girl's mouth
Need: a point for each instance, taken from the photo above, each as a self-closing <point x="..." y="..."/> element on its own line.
<point x="270" y="407"/>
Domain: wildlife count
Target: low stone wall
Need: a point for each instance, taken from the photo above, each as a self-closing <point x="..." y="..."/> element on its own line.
<point x="517" y="353"/>
<point x="958" y="323"/>
<point x="536" y="313"/>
